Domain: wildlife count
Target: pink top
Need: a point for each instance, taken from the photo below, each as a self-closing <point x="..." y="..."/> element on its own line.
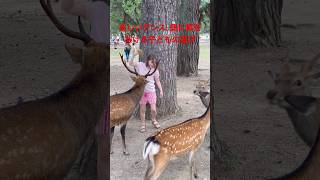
<point x="98" y="16"/>
<point x="142" y="69"/>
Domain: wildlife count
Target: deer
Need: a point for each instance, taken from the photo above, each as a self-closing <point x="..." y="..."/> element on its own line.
<point x="203" y="91"/>
<point x="289" y="82"/>
<point x="40" y="139"/>
<point x="310" y="167"/>
<point x="122" y="105"/>
<point x="174" y="141"/>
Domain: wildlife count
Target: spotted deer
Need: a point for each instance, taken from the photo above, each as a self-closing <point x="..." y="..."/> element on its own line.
<point x="40" y="139"/>
<point x="203" y="91"/>
<point x="123" y="105"/>
<point x="289" y="82"/>
<point x="174" y="141"/>
<point x="310" y="168"/>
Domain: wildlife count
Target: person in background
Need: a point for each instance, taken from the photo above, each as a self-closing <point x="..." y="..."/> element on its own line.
<point x="127" y="50"/>
<point x="149" y="95"/>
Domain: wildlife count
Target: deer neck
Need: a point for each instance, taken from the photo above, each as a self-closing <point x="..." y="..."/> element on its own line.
<point x="205" y="118"/>
<point x="136" y="92"/>
<point x="82" y="102"/>
<point x="204" y="100"/>
<point x="304" y="125"/>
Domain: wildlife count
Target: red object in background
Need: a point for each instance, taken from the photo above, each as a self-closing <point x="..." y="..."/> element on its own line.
<point x="128" y="39"/>
<point x="197" y="27"/>
<point x="183" y="39"/>
<point x="173" y="27"/>
<point x="189" y="27"/>
<point x="122" y="27"/>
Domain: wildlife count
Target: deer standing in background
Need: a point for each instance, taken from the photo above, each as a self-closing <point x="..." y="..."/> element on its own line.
<point x="175" y="141"/>
<point x="40" y="139"/>
<point x="123" y="105"/>
<point x="289" y="82"/>
<point x="310" y="168"/>
<point x="203" y="91"/>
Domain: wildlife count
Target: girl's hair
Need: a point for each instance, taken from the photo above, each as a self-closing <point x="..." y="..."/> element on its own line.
<point x="152" y="58"/>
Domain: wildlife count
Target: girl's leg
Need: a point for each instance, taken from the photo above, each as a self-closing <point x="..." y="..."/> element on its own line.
<point x="154" y="115"/>
<point x="142" y="117"/>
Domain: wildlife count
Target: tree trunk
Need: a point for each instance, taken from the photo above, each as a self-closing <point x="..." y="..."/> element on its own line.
<point x="155" y="11"/>
<point x="216" y="146"/>
<point x="188" y="54"/>
<point x="252" y="23"/>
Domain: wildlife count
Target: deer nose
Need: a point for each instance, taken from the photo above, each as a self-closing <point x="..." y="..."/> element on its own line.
<point x="271" y="94"/>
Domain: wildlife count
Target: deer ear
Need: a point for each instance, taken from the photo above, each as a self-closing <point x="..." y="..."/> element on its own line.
<point x="76" y="53"/>
<point x="134" y="78"/>
<point x="304" y="104"/>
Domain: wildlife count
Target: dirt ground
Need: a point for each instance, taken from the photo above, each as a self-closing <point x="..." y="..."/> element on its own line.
<point x="260" y="137"/>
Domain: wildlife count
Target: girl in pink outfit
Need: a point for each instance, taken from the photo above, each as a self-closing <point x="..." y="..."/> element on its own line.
<point x="149" y="95"/>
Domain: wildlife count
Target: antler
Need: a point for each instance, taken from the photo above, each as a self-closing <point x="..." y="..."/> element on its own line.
<point x="125" y="65"/>
<point x="153" y="70"/>
<point x="308" y="66"/>
<point x="48" y="9"/>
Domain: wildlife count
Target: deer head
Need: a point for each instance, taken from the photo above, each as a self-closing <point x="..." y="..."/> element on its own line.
<point x="202" y="88"/>
<point x="138" y="79"/>
<point x="289" y="82"/>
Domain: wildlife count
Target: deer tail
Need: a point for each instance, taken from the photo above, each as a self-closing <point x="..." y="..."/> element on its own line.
<point x="151" y="147"/>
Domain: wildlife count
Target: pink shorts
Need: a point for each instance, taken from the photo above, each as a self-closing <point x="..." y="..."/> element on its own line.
<point x="148" y="97"/>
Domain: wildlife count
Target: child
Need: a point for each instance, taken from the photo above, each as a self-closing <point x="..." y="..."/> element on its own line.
<point x="127" y="49"/>
<point x="149" y="95"/>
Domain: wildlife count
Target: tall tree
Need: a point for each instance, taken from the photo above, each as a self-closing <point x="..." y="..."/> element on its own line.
<point x="216" y="146"/>
<point x="164" y="12"/>
<point x="251" y="23"/>
<point x="188" y="54"/>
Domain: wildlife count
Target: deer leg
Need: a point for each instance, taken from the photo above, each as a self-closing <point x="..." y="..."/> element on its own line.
<point x="159" y="163"/>
<point x="193" y="168"/>
<point x="123" y="135"/>
<point x="111" y="136"/>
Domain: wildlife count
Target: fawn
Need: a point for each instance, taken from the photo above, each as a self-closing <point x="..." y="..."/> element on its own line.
<point x="310" y="168"/>
<point x="289" y="82"/>
<point x="174" y="141"/>
<point x="203" y="91"/>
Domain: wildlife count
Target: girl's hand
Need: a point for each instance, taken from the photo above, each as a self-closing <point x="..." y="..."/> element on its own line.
<point x="161" y="94"/>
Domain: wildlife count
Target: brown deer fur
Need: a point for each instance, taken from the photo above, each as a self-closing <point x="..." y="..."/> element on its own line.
<point x="41" y="139"/>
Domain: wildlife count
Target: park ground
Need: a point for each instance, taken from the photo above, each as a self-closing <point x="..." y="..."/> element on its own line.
<point x="260" y="140"/>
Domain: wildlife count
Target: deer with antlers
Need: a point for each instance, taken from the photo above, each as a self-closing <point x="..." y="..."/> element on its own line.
<point x="40" y="139"/>
<point x="203" y="91"/>
<point x="123" y="105"/>
<point x="289" y="82"/>
<point x="310" y="168"/>
<point x="173" y="142"/>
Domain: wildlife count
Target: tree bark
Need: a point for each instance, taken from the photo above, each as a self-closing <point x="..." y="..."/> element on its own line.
<point x="164" y="12"/>
<point x="252" y="23"/>
<point x="216" y="146"/>
<point x="188" y="54"/>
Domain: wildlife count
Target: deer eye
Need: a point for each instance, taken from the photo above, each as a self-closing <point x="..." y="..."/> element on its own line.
<point x="298" y="82"/>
